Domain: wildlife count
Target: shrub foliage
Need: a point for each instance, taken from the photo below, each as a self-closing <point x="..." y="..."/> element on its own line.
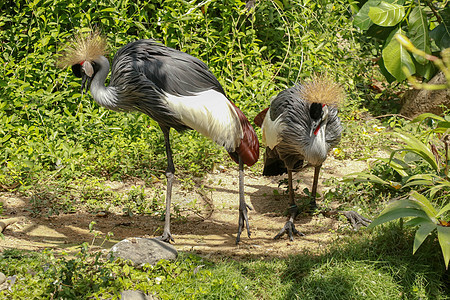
<point x="48" y="126"/>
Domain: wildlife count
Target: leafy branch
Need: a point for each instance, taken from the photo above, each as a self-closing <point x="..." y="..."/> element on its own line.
<point x="428" y="32"/>
<point x="443" y="64"/>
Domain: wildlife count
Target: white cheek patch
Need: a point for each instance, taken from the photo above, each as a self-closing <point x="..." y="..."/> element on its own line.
<point x="272" y="130"/>
<point x="211" y="114"/>
<point x="88" y="69"/>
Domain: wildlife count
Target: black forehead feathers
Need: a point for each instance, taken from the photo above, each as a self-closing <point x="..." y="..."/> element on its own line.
<point x="315" y="111"/>
<point x="76" y="69"/>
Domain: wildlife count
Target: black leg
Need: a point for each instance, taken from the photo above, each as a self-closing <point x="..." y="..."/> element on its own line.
<point x="289" y="227"/>
<point x="243" y="217"/>
<point x="170" y="171"/>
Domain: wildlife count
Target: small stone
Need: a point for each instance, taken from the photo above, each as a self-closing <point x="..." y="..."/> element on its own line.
<point x="135" y="295"/>
<point x="2" y="278"/>
<point x="144" y="251"/>
<point x="101" y="214"/>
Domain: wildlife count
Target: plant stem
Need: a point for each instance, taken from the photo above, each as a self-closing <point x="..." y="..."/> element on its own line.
<point x="438" y="17"/>
<point x="446" y="141"/>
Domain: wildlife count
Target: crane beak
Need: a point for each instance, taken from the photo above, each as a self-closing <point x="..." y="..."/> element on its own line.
<point x="87" y="72"/>
<point x="85" y="83"/>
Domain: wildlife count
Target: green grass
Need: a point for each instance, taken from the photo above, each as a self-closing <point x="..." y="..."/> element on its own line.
<point x="376" y="265"/>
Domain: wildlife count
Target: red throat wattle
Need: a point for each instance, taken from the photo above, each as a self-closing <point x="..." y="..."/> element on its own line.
<point x="317" y="130"/>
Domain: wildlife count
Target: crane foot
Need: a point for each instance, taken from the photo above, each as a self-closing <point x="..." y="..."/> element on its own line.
<point x="167" y="237"/>
<point x="243" y="218"/>
<point x="356" y="220"/>
<point x="313" y="206"/>
<point x="289" y="229"/>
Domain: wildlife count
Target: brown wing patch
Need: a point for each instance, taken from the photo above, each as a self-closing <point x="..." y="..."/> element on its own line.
<point x="259" y="119"/>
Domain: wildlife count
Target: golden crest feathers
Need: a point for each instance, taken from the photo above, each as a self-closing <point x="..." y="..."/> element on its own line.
<point x="322" y="89"/>
<point x="83" y="47"/>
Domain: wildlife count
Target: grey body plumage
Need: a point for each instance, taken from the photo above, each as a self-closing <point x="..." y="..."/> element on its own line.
<point x="296" y="143"/>
<point x="140" y="77"/>
<point x="301" y="124"/>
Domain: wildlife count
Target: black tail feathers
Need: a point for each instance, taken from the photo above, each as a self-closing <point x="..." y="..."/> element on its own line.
<point x="274" y="166"/>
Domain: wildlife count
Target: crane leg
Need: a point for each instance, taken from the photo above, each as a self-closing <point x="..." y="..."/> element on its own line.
<point x="243" y="217"/>
<point x="170" y="171"/>
<point x="313" y="204"/>
<point x="289" y="227"/>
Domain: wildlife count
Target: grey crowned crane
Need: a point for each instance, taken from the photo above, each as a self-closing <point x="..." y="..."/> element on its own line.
<point x="301" y="124"/>
<point x="175" y="89"/>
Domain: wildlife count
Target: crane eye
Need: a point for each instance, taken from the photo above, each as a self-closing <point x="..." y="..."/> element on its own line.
<point x="76" y="69"/>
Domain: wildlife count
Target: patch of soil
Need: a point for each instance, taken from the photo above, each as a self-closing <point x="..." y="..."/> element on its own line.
<point x="209" y="227"/>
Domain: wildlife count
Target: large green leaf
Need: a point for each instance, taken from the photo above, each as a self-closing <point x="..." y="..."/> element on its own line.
<point x="416" y="146"/>
<point x="398" y="165"/>
<point x="443" y="210"/>
<point x="416" y="182"/>
<point x="384" y="71"/>
<point x="425" y="155"/>
<point x="422" y="233"/>
<point x="432" y="180"/>
<point x="418" y="33"/>
<point x="424" y="116"/>
<point x="416" y="222"/>
<point x="444" y="241"/>
<point x="386" y="14"/>
<point x="362" y="20"/>
<point x="445" y="125"/>
<point x="443" y="184"/>
<point x="396" y="214"/>
<point x="441" y="34"/>
<point x="364" y="177"/>
<point x="395" y="57"/>
<point x="442" y="127"/>
<point x="404" y="203"/>
<point x="426" y="177"/>
<point x="426" y="205"/>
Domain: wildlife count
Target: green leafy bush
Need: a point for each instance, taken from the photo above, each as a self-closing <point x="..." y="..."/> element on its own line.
<point x="49" y="129"/>
<point x="426" y="24"/>
<point x="426" y="217"/>
<point x="423" y="166"/>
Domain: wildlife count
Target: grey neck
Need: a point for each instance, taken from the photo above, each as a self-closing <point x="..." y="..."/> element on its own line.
<point x="104" y="96"/>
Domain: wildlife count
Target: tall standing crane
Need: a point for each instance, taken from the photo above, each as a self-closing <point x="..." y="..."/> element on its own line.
<point x="301" y="124"/>
<point x="175" y="89"/>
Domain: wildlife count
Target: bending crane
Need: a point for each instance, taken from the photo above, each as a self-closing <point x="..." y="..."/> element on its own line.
<point x="176" y="90"/>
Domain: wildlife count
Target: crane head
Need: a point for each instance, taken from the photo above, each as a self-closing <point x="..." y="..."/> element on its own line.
<point x="319" y="117"/>
<point x="81" y="54"/>
<point x="320" y="92"/>
<point x="84" y="70"/>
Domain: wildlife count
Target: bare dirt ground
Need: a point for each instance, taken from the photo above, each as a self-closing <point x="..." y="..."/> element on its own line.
<point x="210" y="227"/>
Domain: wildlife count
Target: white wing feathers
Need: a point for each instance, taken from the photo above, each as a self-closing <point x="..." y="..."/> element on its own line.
<point x="271" y="130"/>
<point x="211" y="114"/>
